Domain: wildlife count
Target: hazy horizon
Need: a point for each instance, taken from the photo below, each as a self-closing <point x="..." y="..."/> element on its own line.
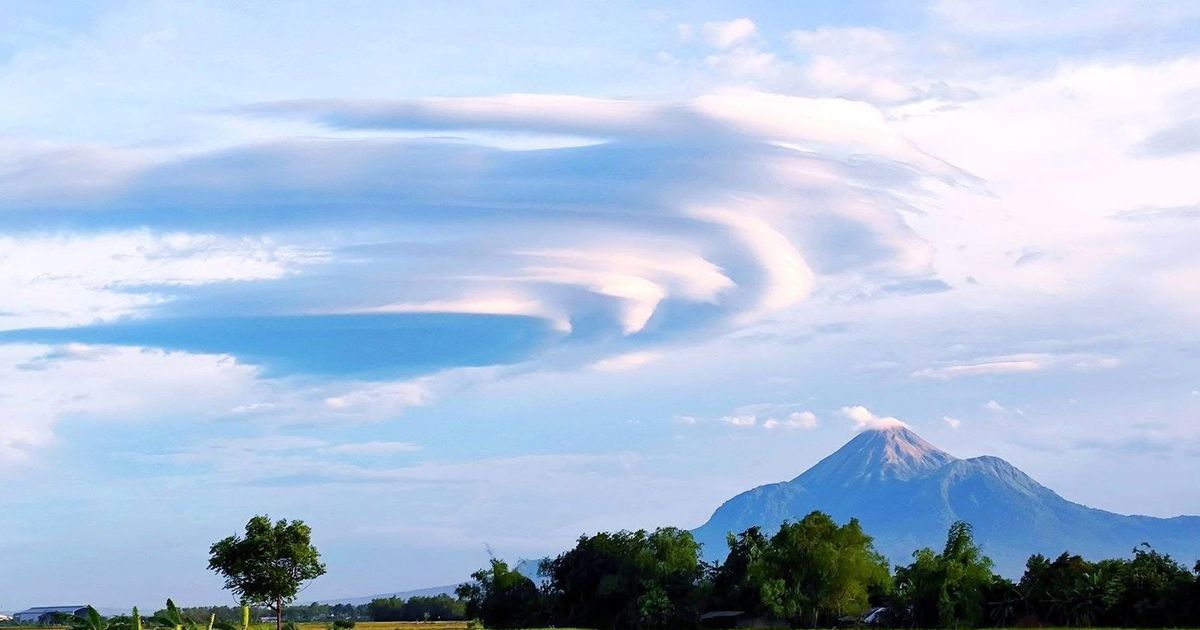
<point x="437" y="280"/>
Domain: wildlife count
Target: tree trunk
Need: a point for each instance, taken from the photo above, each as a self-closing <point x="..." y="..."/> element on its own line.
<point x="279" y="614"/>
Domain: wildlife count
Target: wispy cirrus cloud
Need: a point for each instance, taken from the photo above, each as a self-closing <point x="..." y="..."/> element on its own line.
<point x="1018" y="363"/>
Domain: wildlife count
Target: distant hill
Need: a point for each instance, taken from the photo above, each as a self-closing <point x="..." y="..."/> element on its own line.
<point x="907" y="492"/>
<point x="527" y="568"/>
<point x="422" y="592"/>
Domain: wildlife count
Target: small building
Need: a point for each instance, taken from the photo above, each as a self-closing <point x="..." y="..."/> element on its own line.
<point x="46" y="614"/>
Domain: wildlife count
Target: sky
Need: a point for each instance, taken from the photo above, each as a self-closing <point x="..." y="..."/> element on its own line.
<point x="445" y="281"/>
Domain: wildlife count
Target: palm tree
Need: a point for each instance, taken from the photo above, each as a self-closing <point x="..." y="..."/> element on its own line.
<point x="1087" y="601"/>
<point x="1005" y="605"/>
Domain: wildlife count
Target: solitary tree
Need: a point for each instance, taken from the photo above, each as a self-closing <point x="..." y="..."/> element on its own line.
<point x="268" y="566"/>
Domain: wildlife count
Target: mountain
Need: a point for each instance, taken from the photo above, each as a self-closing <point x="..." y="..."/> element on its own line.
<point x="422" y="592"/>
<point x="906" y="492"/>
<point x="528" y="568"/>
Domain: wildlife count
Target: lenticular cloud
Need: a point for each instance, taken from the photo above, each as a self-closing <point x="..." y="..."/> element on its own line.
<point x="656" y="219"/>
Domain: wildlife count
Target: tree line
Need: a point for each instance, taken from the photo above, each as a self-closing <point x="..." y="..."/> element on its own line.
<point x="815" y="572"/>
<point x="810" y="573"/>
<point x="415" y="608"/>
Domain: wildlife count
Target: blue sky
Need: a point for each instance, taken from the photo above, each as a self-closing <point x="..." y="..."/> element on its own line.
<point x="435" y="280"/>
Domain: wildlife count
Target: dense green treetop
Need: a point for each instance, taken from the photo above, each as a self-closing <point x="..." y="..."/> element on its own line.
<point x="269" y="564"/>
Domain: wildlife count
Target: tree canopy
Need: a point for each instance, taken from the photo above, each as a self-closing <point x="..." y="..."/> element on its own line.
<point x="814" y="571"/>
<point x="640" y="580"/>
<point x="502" y="597"/>
<point x="950" y="588"/>
<point x="269" y="564"/>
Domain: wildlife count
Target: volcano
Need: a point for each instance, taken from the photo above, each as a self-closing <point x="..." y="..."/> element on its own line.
<point x="906" y="492"/>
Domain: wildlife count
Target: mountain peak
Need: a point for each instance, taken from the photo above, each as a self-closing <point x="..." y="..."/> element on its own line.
<point x="890" y="451"/>
<point x="906" y="492"/>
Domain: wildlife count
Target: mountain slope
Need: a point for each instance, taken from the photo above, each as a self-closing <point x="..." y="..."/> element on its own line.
<point x="907" y="492"/>
<point x="421" y="592"/>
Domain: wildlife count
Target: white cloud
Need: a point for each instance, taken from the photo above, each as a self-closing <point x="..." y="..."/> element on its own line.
<point x="954" y="423"/>
<point x="371" y="449"/>
<point x="744" y="62"/>
<point x="72" y="279"/>
<point x="742" y="421"/>
<point x="992" y="405"/>
<point x="863" y="419"/>
<point x="684" y="419"/>
<point x="794" y="420"/>
<point x="1018" y="363"/>
<point x="488" y="303"/>
<point x="988" y="367"/>
<point x="789" y="278"/>
<point x="626" y="362"/>
<point x="640" y="279"/>
<point x="854" y="62"/>
<point x="725" y="35"/>
<point x="771" y="416"/>
<point x="380" y="401"/>
<point x="43" y="385"/>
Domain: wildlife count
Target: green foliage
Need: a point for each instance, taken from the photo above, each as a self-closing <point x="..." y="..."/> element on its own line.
<point x="815" y="571"/>
<point x="269" y="564"/>
<point x="502" y="598"/>
<point x="90" y="620"/>
<point x="949" y="589"/>
<point x="638" y="580"/>
<point x="1069" y="591"/>
<point x="173" y="617"/>
<point x="731" y="585"/>
<point x="342" y="624"/>
<point x="1148" y="590"/>
<point x="417" y="608"/>
<point x="1151" y="590"/>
